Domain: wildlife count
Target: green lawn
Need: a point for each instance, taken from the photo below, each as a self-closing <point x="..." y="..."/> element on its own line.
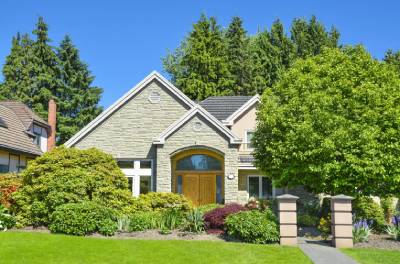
<point x="22" y="247"/>
<point x="373" y="256"/>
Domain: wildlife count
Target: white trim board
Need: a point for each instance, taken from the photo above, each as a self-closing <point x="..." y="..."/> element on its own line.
<point x="231" y="119"/>
<point x="132" y="92"/>
<point x="233" y="139"/>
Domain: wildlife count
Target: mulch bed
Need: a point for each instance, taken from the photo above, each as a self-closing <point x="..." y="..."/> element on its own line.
<point x="382" y="241"/>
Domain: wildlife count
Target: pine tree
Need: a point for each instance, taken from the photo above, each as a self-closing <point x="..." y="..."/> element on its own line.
<point x="238" y="56"/>
<point x="77" y="100"/>
<point x="282" y="42"/>
<point x="310" y="37"/>
<point x="200" y="65"/>
<point x="393" y="58"/>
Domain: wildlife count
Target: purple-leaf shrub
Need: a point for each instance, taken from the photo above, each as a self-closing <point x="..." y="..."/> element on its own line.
<point x="215" y="218"/>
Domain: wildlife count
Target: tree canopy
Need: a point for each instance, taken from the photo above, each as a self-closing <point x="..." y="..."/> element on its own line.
<point x="35" y="72"/>
<point x="214" y="61"/>
<point x="332" y="124"/>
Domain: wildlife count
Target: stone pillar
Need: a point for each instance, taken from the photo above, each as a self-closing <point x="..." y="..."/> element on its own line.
<point x="287" y="219"/>
<point x="342" y="222"/>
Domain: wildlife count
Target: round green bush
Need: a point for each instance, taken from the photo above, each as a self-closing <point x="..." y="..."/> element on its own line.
<point x="253" y="226"/>
<point x="69" y="175"/>
<point x="82" y="219"/>
<point x="162" y="201"/>
<point x="364" y="208"/>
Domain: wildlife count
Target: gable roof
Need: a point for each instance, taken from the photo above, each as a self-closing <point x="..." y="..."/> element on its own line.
<point x="231" y="119"/>
<point x="233" y="139"/>
<point x="13" y="134"/>
<point x="126" y="97"/>
<point x="24" y="113"/>
<point x="222" y="107"/>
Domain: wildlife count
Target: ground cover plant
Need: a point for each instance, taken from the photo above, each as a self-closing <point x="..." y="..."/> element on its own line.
<point x="63" y="249"/>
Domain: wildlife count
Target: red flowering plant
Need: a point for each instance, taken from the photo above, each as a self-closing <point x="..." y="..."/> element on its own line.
<point x="215" y="219"/>
<point x="9" y="183"/>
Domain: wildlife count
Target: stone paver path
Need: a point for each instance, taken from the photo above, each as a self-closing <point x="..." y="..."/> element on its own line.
<point x="322" y="253"/>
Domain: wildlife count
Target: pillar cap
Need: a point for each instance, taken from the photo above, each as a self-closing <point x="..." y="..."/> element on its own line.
<point x="342" y="197"/>
<point x="287" y="197"/>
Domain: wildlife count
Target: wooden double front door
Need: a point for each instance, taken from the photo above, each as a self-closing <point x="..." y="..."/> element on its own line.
<point x="199" y="188"/>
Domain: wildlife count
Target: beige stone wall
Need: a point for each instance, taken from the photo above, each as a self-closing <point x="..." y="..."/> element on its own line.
<point x="186" y="136"/>
<point x="129" y="132"/>
<point x="247" y="121"/>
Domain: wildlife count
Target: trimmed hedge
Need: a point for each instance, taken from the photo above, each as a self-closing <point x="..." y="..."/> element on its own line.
<point x="83" y="219"/>
<point x="259" y="227"/>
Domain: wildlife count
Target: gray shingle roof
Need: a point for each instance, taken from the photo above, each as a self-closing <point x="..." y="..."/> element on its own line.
<point x="14" y="135"/>
<point x="223" y="106"/>
<point x="24" y="113"/>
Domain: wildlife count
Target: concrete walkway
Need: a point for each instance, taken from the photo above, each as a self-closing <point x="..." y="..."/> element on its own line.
<point x="322" y="253"/>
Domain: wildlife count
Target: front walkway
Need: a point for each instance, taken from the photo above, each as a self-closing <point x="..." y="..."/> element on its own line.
<point x="322" y="253"/>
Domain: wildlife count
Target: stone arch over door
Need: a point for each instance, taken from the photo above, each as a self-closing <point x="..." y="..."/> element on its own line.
<point x="198" y="173"/>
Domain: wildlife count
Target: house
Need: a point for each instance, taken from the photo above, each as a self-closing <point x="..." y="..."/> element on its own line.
<point x="23" y="135"/>
<point x="165" y="142"/>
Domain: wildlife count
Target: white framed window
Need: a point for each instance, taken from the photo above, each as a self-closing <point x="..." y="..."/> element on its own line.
<point x="248" y="136"/>
<point x="139" y="173"/>
<point x="260" y="187"/>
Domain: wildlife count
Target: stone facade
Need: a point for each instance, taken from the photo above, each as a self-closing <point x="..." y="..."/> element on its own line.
<point x="186" y="136"/>
<point x="130" y="131"/>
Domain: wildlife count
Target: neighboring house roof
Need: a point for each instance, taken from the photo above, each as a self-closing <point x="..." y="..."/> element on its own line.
<point x="222" y="107"/>
<point x="13" y="133"/>
<point x="233" y="139"/>
<point x="24" y="113"/>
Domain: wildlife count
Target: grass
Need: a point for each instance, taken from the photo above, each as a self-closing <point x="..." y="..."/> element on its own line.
<point x="24" y="247"/>
<point x="373" y="256"/>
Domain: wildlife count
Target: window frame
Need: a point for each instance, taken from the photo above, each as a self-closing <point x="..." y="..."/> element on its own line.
<point x="246" y="139"/>
<point x="260" y="191"/>
<point x="136" y="173"/>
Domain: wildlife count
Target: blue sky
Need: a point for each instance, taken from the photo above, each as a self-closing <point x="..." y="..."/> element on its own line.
<point x="123" y="41"/>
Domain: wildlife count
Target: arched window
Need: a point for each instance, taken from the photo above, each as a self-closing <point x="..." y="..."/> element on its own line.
<point x="198" y="162"/>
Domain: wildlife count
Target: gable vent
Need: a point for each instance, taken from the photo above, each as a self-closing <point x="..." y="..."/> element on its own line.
<point x="154" y="97"/>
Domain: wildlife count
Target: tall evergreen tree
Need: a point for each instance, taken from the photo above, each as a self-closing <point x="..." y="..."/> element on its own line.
<point x="310" y="37"/>
<point x="77" y="99"/>
<point x="393" y="58"/>
<point x="238" y="56"/>
<point x="34" y="73"/>
<point x="282" y="42"/>
<point x="200" y="65"/>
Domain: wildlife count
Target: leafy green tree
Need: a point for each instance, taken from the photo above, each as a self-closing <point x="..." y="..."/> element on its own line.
<point x="238" y="56"/>
<point x="199" y="67"/>
<point x="332" y="124"/>
<point x="78" y="99"/>
<point x="393" y="58"/>
<point x="310" y="37"/>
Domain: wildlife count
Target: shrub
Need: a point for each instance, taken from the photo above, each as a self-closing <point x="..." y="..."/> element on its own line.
<point x="82" y="219"/>
<point x="194" y="221"/>
<point x="6" y="220"/>
<point x="162" y="201"/>
<point x="388" y="208"/>
<point x="123" y="223"/>
<point x="253" y="226"/>
<point x="394" y="229"/>
<point x="361" y="231"/>
<point x="307" y="220"/>
<point x="364" y="208"/>
<point x="9" y="183"/>
<point x="325" y="208"/>
<point x="324" y="226"/>
<point x="65" y="176"/>
<point x="215" y="218"/>
<point x="140" y="221"/>
<point x="171" y="219"/>
<point x="208" y="207"/>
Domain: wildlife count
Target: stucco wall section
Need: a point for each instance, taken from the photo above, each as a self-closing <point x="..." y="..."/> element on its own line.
<point x="247" y="121"/>
<point x="186" y="136"/>
<point x="129" y="132"/>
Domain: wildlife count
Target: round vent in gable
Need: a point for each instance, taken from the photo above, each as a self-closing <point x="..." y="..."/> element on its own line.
<point x="197" y="126"/>
<point x="154" y="97"/>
